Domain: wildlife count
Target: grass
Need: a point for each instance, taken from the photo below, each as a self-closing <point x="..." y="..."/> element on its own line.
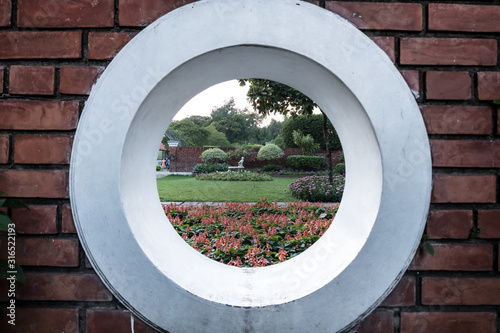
<point x="186" y="188"/>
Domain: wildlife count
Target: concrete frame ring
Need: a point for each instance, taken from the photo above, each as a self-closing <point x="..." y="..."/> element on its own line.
<point x="124" y="231"/>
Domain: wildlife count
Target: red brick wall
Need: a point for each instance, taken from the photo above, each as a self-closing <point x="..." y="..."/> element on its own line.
<point x="51" y="52"/>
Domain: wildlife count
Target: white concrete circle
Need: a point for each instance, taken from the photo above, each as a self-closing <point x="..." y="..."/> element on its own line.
<point x="137" y="253"/>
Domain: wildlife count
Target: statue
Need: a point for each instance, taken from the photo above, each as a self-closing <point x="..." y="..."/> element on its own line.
<point x="240" y="163"/>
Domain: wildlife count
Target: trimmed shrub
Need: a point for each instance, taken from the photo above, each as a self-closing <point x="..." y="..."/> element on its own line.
<point x="158" y="167"/>
<point x="207" y="168"/>
<point x="270" y="152"/>
<point x="235" y="176"/>
<point x="313" y="125"/>
<point x="272" y="168"/>
<point x="340" y="168"/>
<point x="302" y="162"/>
<point x="317" y="188"/>
<point x="214" y="155"/>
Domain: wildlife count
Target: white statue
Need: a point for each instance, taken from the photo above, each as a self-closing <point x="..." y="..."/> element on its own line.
<point x="240" y="163"/>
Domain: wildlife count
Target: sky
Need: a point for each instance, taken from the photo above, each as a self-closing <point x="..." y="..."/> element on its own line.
<point x="215" y="96"/>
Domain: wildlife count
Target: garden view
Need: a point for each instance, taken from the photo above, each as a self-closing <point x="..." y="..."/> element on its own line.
<point x="254" y="217"/>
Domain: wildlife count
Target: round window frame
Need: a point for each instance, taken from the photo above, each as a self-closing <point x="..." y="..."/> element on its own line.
<point x="388" y="185"/>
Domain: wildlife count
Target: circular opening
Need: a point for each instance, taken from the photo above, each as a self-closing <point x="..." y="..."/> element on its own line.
<point x="113" y="191"/>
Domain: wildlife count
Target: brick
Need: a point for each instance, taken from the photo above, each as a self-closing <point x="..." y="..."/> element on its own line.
<point x="40" y="44"/>
<point x="377" y="322"/>
<point x="63" y="287"/>
<point x="47" y="252"/>
<point x="463" y="189"/>
<point x="387" y="45"/>
<point x="4" y="149"/>
<point x="464" y="154"/>
<point x="454" y="257"/>
<point x="413" y="81"/>
<point x="380" y="16"/>
<point x="1" y="79"/>
<point x="5" y="12"/>
<point x="448" y="51"/>
<point x="460" y="291"/>
<point x="141" y="327"/>
<point x="489" y="221"/>
<point x="460" y="17"/>
<point x="448" y="322"/>
<point x="488" y="85"/>
<point x="38" y="115"/>
<point x="36" y="220"/>
<point x="403" y="294"/>
<point x="65" y="13"/>
<point x="32" y="80"/>
<point x="42" y="149"/>
<point x="143" y="12"/>
<point x="444" y="119"/>
<point x="35" y="183"/>
<point x="105" y="45"/>
<point x="103" y="321"/>
<point x="448" y="85"/>
<point x="78" y="80"/>
<point x="42" y="320"/>
<point x="68" y="225"/>
<point x="455" y="224"/>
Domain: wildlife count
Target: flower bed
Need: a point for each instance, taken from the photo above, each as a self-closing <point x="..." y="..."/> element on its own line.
<point x="318" y="189"/>
<point x="251" y="235"/>
<point x="235" y="176"/>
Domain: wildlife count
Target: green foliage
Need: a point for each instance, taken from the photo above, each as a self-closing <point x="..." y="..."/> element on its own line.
<point x="213" y="156"/>
<point x="270" y="152"/>
<point x="496" y="101"/>
<point x="341" y="158"/>
<point x="305" y="142"/>
<point x="474" y="232"/>
<point x="234" y="176"/>
<point x="278" y="141"/>
<point x="272" y="168"/>
<point x="207" y="168"/>
<point x="340" y="168"/>
<point x="312" y="125"/>
<point x="188" y="133"/>
<point x="215" y="138"/>
<point x="427" y="246"/>
<point x="242" y="151"/>
<point x="318" y="189"/>
<point x="6" y="225"/>
<point x="158" y="167"/>
<point x="302" y="162"/>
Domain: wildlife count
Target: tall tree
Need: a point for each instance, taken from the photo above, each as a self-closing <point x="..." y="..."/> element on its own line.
<point x="268" y="96"/>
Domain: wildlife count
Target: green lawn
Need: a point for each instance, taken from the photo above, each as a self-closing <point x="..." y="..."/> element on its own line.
<point x="185" y="188"/>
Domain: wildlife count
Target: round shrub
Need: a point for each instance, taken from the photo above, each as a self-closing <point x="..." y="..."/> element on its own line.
<point x="340" y="168"/>
<point x="272" y="168"/>
<point x="317" y="188"/>
<point x="270" y="152"/>
<point x="213" y="155"/>
<point x="207" y="168"/>
<point x="307" y="163"/>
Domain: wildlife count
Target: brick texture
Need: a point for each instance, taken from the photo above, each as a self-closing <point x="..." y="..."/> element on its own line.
<point x="2" y="71"/>
<point x="32" y="80"/>
<point x="458" y="188"/>
<point x="387" y="45"/>
<point x="143" y="12"/>
<point x="105" y="45"/>
<point x="465" y="154"/>
<point x="489" y="221"/>
<point x="78" y="80"/>
<point x="455" y="224"/>
<point x="63" y="287"/>
<point x="35" y="183"/>
<point x="47" y="252"/>
<point x="403" y="294"/>
<point x="4" y="149"/>
<point x="377" y="322"/>
<point x="38" y="115"/>
<point x="5" y="12"/>
<point x="461" y="17"/>
<point x="448" y="322"/>
<point x="448" y="51"/>
<point x="444" y="119"/>
<point x="448" y="85"/>
<point x="383" y="16"/>
<point x="455" y="257"/>
<point x="42" y="149"/>
<point x="488" y="85"/>
<point x="40" y="44"/>
<point x="412" y="79"/>
<point x="68" y="225"/>
<point x="65" y="13"/>
<point x="42" y="320"/>
<point x="460" y="291"/>
<point x="36" y="220"/>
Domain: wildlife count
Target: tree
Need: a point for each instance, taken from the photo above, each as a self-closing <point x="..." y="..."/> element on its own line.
<point x="312" y="125"/>
<point x="268" y="96"/>
<point x="188" y="132"/>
